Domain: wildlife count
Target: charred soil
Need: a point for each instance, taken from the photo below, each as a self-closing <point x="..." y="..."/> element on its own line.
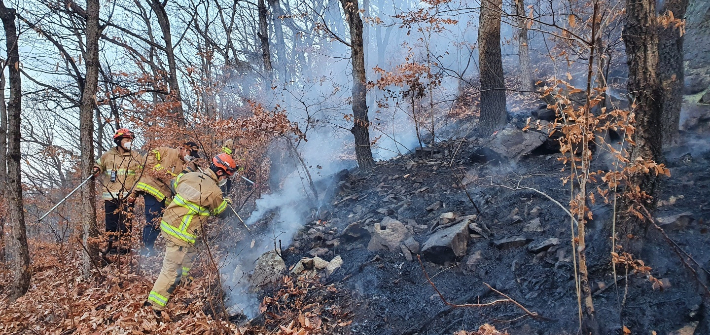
<point x="519" y="244"/>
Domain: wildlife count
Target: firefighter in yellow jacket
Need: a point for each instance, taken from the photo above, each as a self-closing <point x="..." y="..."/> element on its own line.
<point x="197" y="197"/>
<point x="120" y="167"/>
<point x="162" y="165"/>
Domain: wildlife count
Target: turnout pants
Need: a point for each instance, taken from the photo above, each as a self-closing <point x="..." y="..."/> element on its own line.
<point x="177" y="263"/>
<point x="118" y="218"/>
<point x="153" y="213"/>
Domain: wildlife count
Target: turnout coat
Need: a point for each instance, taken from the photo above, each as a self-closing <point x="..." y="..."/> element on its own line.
<point x="197" y="197"/>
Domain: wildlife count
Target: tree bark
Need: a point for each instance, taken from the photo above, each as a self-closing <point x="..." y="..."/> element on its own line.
<point x="493" y="112"/>
<point x="670" y="70"/>
<point x="263" y="35"/>
<point x="17" y="250"/>
<point x="277" y="14"/>
<point x="3" y="164"/>
<point x="523" y="55"/>
<point x="360" y="128"/>
<point x="173" y="85"/>
<point x="641" y="39"/>
<point x="86" y="125"/>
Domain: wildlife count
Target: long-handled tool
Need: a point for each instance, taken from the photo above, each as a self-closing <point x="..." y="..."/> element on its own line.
<point x="65" y="198"/>
<point x="247" y="179"/>
<point x="240" y="218"/>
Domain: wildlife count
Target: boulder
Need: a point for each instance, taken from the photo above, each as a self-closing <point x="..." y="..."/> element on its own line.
<point x="446" y="245"/>
<point x="388" y="235"/>
<point x="511" y="242"/>
<point x="269" y="268"/>
<point x="514" y="143"/>
<point x="543" y="245"/>
<point x="354" y="232"/>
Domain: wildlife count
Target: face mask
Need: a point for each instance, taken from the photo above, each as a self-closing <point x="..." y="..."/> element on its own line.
<point x="222" y="182"/>
<point x="187" y="158"/>
<point x="127" y="145"/>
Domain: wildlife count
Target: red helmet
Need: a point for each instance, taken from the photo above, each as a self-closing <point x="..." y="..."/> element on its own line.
<point x="225" y="162"/>
<point x="123" y="132"/>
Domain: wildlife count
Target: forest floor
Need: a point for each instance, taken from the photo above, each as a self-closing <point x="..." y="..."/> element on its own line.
<point x="517" y="245"/>
<point x="524" y="251"/>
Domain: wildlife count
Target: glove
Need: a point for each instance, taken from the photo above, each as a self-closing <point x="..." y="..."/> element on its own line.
<point x="131" y="198"/>
<point x="95" y="171"/>
<point x="228" y="200"/>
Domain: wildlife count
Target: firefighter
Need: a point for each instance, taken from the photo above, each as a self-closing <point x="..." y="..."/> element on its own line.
<point x="197" y="196"/>
<point x="120" y="168"/>
<point x="162" y="165"/>
<point x="228" y="148"/>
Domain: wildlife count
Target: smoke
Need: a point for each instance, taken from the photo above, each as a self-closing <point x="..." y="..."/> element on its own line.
<point x="319" y="102"/>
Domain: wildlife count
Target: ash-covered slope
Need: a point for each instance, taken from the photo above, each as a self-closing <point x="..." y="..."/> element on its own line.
<point x="519" y="244"/>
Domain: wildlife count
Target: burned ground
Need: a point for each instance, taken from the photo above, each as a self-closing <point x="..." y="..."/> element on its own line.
<point x="524" y="249"/>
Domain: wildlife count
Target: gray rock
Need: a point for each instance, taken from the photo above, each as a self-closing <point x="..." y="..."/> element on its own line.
<point x="355" y="231"/>
<point x="388" y="235"/>
<point x="319" y="263"/>
<point x="333" y="265"/>
<point x="412" y="245"/>
<point x="269" y="268"/>
<point x="479" y="229"/>
<point x="434" y="206"/>
<point x="511" y="242"/>
<point x="535" y="212"/>
<point x="446" y="245"/>
<point x="315" y="252"/>
<point x="542" y="245"/>
<point x="446" y="218"/>
<point x="407" y="254"/>
<point x="513" y="143"/>
<point x="533" y="226"/>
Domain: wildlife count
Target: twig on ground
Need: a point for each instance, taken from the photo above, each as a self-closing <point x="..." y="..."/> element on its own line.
<point x="463" y="187"/>
<point x="680" y="253"/>
<point x="518" y="188"/>
<point x="491" y="303"/>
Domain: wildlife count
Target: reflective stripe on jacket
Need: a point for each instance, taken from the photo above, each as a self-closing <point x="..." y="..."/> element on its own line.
<point x="126" y="166"/>
<point x="197" y="197"/>
<point x="162" y="164"/>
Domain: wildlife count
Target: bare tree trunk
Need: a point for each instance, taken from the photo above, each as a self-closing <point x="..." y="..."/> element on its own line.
<point x="86" y="125"/>
<point x="277" y="14"/>
<point x="493" y="112"/>
<point x="641" y="39"/>
<point x="671" y="71"/>
<point x="17" y="252"/>
<point x="3" y="163"/>
<point x="174" y="96"/>
<point x="523" y="55"/>
<point x="263" y="35"/>
<point x="363" y="152"/>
